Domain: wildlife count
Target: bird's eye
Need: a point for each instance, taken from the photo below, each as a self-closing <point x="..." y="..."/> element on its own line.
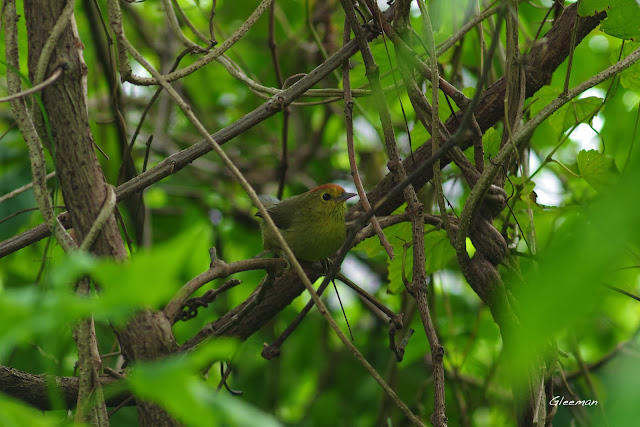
<point x="326" y="196"/>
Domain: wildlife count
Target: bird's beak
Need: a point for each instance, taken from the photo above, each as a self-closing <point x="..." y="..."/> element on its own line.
<point x="345" y="196"/>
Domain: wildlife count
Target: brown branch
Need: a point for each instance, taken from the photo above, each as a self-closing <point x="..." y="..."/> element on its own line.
<point x="27" y="128"/>
<point x="35" y="390"/>
<point x="50" y="80"/>
<point x="125" y="68"/>
<point x="219" y="269"/>
<point x="348" y="116"/>
<point x="23" y="188"/>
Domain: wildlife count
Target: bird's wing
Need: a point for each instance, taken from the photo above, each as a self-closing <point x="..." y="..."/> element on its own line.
<point x="283" y="213"/>
<point x="280" y="211"/>
<point x="268" y="201"/>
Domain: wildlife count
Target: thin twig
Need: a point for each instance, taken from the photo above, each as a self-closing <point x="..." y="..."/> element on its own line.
<point x="219" y="269"/>
<point x="192" y="27"/>
<point x="348" y="116"/>
<point x="418" y="286"/>
<point x="435" y="118"/>
<point x="392" y="317"/>
<point x="125" y="69"/>
<point x="27" y="127"/>
<point x="459" y="245"/>
<point x="103" y="216"/>
<point x="273" y="46"/>
<point x="267" y="92"/>
<point x="444" y="46"/>
<point x="145" y="111"/>
<point x="394" y="165"/>
<point x="272" y="350"/>
<point x="571" y="49"/>
<point x="52" y="40"/>
<point x="623" y="292"/>
<point x="24" y="188"/>
<point x="172" y="19"/>
<point x="37" y="88"/>
<point x="212" y="15"/>
<point x="21" y="211"/>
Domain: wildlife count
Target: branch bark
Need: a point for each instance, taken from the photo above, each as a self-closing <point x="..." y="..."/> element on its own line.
<point x="36" y="389"/>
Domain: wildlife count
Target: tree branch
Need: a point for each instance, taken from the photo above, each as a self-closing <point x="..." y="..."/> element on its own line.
<point x="36" y="389"/>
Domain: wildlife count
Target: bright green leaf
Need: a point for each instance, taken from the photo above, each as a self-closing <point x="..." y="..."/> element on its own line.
<point x="575" y="112"/>
<point x="491" y="143"/>
<point x="438" y="254"/>
<point x="623" y="16"/>
<point x="19" y="414"/>
<point x="176" y="384"/>
<point x="438" y="250"/>
<point x="629" y="78"/>
<point x="568" y="280"/>
<point x="597" y="169"/>
<point x="401" y="267"/>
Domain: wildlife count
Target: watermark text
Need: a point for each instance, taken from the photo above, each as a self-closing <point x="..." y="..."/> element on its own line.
<point x="561" y="401"/>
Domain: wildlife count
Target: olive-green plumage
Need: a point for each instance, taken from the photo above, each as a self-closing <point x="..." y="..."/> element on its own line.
<point x="311" y="223"/>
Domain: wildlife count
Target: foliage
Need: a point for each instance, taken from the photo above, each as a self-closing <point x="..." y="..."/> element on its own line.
<point x="571" y="226"/>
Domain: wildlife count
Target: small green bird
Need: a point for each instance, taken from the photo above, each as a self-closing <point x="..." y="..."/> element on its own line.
<point x="311" y="223"/>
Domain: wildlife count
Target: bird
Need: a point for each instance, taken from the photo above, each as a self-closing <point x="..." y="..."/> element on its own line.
<point x="312" y="223"/>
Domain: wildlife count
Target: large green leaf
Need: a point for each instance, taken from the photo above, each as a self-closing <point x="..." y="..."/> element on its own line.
<point x="574" y="112"/>
<point x="629" y="78"/>
<point x="565" y="289"/>
<point x="177" y="385"/>
<point x="623" y="16"/>
<point x="19" y="414"/>
<point x="438" y="254"/>
<point x="598" y="169"/>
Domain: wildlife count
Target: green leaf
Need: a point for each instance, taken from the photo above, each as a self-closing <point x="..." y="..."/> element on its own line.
<point x="629" y="78"/>
<point x="587" y="247"/>
<point x="623" y="16"/>
<point x="73" y="266"/>
<point x="491" y="143"/>
<point x="438" y="254"/>
<point x="438" y="250"/>
<point x="597" y="169"/>
<point x="177" y="385"/>
<point x="542" y="98"/>
<point x="149" y="279"/>
<point x="34" y="314"/>
<point x="402" y="265"/>
<point x="17" y="414"/>
<point x="575" y="112"/>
